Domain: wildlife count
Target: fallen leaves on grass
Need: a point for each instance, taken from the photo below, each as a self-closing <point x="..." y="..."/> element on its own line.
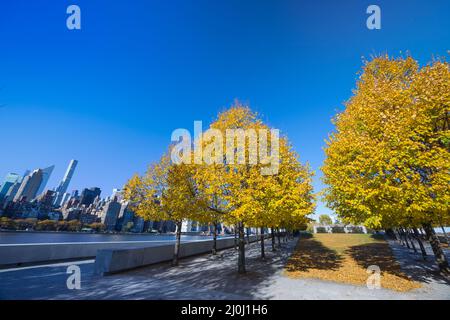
<point x="345" y="258"/>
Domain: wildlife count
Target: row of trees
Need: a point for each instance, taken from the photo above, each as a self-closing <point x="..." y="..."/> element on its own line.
<point x="388" y="162"/>
<point x="233" y="193"/>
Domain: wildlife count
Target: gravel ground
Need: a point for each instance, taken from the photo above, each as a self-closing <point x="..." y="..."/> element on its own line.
<point x="208" y="277"/>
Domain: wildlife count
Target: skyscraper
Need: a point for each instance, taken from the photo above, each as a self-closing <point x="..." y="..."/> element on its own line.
<point x="64" y="184"/>
<point x="65" y="198"/>
<point x="46" y="173"/>
<point x="10" y="179"/>
<point x="13" y="191"/>
<point x="110" y="214"/>
<point x="27" y="172"/>
<point x="88" y="196"/>
<point x="30" y="185"/>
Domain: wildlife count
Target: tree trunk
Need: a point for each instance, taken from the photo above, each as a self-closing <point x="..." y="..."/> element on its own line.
<point x="278" y="236"/>
<point x="404" y="237"/>
<point x="273" y="239"/>
<point x="214" y="249"/>
<point x="263" y="254"/>
<point x="235" y="237"/>
<point x="177" y="244"/>
<point x="422" y="248"/>
<point x="445" y="234"/>
<point x="408" y="232"/>
<point x="391" y="233"/>
<point x="241" y="259"/>
<point x="399" y="236"/>
<point x="425" y="234"/>
<point x="441" y="259"/>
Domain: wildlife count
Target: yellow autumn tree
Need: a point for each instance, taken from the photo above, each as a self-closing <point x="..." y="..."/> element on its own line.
<point x="165" y="192"/>
<point x="387" y="164"/>
<point x="286" y="199"/>
<point x="251" y="193"/>
<point x="239" y="173"/>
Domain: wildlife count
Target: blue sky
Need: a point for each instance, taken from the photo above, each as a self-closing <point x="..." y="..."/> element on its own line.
<point x="111" y="94"/>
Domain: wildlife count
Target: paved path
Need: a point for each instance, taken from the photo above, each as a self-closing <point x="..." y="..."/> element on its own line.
<point x="207" y="277"/>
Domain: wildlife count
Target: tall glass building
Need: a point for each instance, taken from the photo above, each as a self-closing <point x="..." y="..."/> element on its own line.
<point x="10" y="179"/>
<point x="62" y="188"/>
<point x="46" y="173"/>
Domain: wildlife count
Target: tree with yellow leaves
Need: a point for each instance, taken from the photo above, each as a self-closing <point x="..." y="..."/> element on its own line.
<point x="165" y="192"/>
<point x="257" y="182"/>
<point x="388" y="162"/>
<point x="253" y="193"/>
<point x="286" y="199"/>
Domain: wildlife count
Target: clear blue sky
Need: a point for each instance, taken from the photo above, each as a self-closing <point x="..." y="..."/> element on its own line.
<point x="111" y="94"/>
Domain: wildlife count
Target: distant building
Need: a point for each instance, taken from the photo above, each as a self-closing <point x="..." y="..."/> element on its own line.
<point x="118" y="194"/>
<point x="148" y="226"/>
<point x="65" y="198"/>
<point x="138" y="224"/>
<point x="75" y="194"/>
<point x="10" y="179"/>
<point x="46" y="173"/>
<point x="72" y="214"/>
<point x="11" y="194"/>
<point x="64" y="184"/>
<point x="86" y="218"/>
<point x="88" y="196"/>
<point x="188" y="226"/>
<point x="47" y="198"/>
<point x="128" y="219"/>
<point x="164" y="226"/>
<point x="338" y="228"/>
<point x="110" y="214"/>
<point x="27" y="172"/>
<point x="55" y="216"/>
<point x="29" y="187"/>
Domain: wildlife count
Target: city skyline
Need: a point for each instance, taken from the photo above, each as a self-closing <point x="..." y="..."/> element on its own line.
<point x="111" y="93"/>
<point x="33" y="185"/>
<point x="7" y="181"/>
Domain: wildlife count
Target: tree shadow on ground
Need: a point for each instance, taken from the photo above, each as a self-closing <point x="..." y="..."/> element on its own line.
<point x="218" y="274"/>
<point x="312" y="254"/>
<point x="376" y="254"/>
<point x="378" y="236"/>
<point x="381" y="254"/>
<point x="200" y="277"/>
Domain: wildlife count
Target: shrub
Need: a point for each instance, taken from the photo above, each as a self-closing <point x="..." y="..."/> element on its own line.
<point x="7" y="223"/>
<point x="97" y="226"/>
<point x="355" y="229"/>
<point x="337" y="229"/>
<point x="74" y="225"/>
<point x="29" y="223"/>
<point x="62" y="225"/>
<point x="321" y="230"/>
<point x="46" y="225"/>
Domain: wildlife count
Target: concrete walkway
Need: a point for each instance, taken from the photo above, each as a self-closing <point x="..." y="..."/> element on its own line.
<point x="208" y="277"/>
